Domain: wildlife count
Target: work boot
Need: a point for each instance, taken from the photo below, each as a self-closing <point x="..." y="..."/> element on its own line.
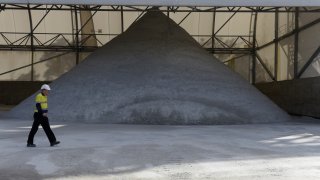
<point x="54" y="143"/>
<point x="31" y="145"/>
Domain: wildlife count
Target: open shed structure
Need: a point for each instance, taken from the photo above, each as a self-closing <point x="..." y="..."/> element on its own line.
<point x="263" y="41"/>
<point x="114" y="63"/>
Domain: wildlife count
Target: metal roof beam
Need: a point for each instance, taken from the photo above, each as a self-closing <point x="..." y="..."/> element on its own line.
<point x="256" y="3"/>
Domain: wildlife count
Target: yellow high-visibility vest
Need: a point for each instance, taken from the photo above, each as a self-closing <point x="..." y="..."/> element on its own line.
<point x="43" y="100"/>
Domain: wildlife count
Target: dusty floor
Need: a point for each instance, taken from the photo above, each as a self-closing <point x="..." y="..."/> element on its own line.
<point x="101" y="151"/>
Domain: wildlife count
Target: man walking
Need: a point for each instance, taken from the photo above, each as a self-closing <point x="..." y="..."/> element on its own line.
<point x="40" y="116"/>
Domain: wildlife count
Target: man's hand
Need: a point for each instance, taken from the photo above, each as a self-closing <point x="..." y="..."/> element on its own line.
<point x="45" y="114"/>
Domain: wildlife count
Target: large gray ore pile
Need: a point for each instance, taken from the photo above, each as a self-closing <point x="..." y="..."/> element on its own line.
<point x="154" y="73"/>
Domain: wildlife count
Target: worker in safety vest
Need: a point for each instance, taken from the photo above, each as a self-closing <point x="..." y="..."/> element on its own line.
<point x="40" y="116"/>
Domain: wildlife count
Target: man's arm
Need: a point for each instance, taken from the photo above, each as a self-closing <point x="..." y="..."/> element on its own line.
<point x="38" y="105"/>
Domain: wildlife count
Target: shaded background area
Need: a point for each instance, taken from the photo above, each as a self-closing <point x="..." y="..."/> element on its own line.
<point x="298" y="97"/>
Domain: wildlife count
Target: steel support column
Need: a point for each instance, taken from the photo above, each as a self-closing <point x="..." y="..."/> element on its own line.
<point x="296" y="44"/>
<point x="32" y="43"/>
<point x="213" y="29"/>
<point x="254" y="51"/>
<point x="276" y="44"/>
<point x="122" y="28"/>
<point x="77" y="34"/>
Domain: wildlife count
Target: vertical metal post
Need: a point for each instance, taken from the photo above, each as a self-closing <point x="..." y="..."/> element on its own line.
<point x="213" y="29"/>
<point x="296" y="44"/>
<point x="254" y="60"/>
<point x="77" y="34"/>
<point x="32" y="43"/>
<point x="168" y="14"/>
<point x="72" y="25"/>
<point x="122" y="19"/>
<point x="276" y="44"/>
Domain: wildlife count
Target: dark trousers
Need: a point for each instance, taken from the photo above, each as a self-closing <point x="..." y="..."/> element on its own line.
<point x="44" y="121"/>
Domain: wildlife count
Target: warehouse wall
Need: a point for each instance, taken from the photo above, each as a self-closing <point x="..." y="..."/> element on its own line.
<point x="13" y="92"/>
<point x="300" y="96"/>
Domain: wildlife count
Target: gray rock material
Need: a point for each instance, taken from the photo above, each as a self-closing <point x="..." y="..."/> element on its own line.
<point x="154" y="73"/>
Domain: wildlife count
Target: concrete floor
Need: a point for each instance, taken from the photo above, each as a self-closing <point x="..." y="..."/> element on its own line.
<point x="102" y="151"/>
